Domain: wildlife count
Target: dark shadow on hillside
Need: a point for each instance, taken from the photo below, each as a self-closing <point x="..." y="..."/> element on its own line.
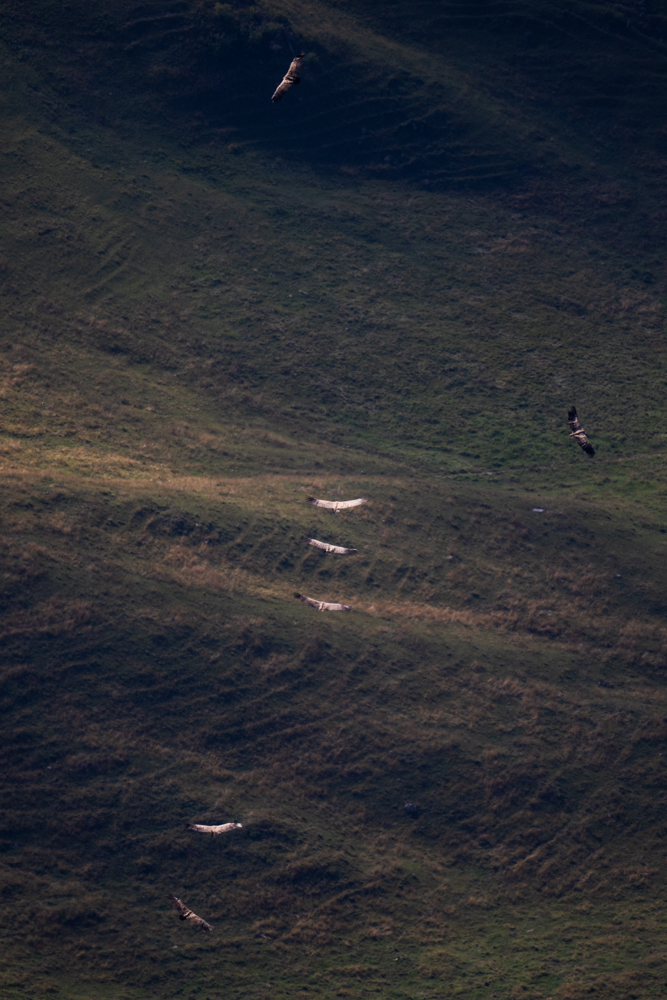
<point x="365" y="108"/>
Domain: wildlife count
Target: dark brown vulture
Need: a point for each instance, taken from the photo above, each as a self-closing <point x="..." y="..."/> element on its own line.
<point x="338" y="549"/>
<point x="578" y="432"/>
<point x="290" y="77"/>
<point x="186" y="914"/>
<point x="322" y="605"/>
<point x="336" y="505"/>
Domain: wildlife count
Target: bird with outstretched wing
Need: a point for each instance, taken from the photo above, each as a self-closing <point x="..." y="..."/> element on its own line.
<point x="578" y="432"/>
<point x="336" y="505"/>
<point x="290" y="78"/>
<point x="338" y="549"/>
<point x="187" y="914"/>
<point x="215" y="831"/>
<point x="322" y="605"/>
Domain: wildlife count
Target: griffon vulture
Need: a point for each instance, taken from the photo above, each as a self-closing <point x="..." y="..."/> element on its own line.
<point x="578" y="432"/>
<point x="322" y="605"/>
<point x="186" y="914"/>
<point x="338" y="549"/>
<point x="336" y="505"/>
<point x="290" y="77"/>
<point x="215" y="831"/>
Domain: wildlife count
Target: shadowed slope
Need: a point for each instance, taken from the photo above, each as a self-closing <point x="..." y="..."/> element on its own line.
<point x="449" y="92"/>
<point x="366" y="308"/>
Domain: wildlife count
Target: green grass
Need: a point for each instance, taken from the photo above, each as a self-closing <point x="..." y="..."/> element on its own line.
<point x="213" y="308"/>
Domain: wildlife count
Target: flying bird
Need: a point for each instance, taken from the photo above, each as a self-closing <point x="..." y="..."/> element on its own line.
<point x="578" y="432"/>
<point x="336" y="505"/>
<point x="215" y="831"/>
<point x="338" y="549"/>
<point x="186" y="914"/>
<point x="322" y="605"/>
<point x="290" y="77"/>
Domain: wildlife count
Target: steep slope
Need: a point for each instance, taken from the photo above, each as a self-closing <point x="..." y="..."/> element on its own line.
<point x="500" y="302"/>
<point x="213" y="308"/>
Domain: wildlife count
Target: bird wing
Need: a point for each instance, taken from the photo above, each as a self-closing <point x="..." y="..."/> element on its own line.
<point x="342" y="504"/>
<point x="199" y="922"/>
<point x="573" y="420"/>
<point x="578" y="432"/>
<point x="201" y="827"/>
<point x="321" y="503"/>
<point x="320" y="545"/>
<point x="581" y="439"/>
<point x="281" y="90"/>
<point x="307" y="600"/>
<point x="335" y="607"/>
<point x="338" y="549"/>
<point x="179" y="906"/>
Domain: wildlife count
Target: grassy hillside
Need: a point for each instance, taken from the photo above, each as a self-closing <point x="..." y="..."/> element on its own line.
<point x="393" y="284"/>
